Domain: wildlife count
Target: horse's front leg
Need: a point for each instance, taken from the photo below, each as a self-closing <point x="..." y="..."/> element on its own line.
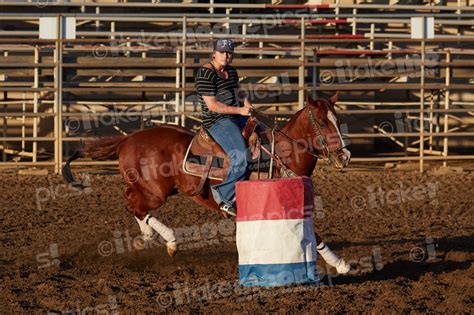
<point x="330" y="257"/>
<point x="147" y="231"/>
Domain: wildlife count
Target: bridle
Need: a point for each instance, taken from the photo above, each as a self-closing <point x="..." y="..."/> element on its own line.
<point x="326" y="152"/>
<point x="317" y="130"/>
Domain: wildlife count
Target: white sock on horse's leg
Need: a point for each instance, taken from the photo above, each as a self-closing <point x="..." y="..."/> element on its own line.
<point x="160" y="228"/>
<point x="331" y="258"/>
<point x="146" y="230"/>
<point x="328" y="255"/>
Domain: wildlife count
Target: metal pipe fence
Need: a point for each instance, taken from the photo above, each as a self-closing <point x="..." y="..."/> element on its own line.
<point x="299" y="55"/>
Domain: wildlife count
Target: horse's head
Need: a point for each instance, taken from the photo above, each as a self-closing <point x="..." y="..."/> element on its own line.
<point x="327" y="137"/>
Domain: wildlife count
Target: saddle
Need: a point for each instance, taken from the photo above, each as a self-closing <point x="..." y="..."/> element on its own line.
<point x="205" y="158"/>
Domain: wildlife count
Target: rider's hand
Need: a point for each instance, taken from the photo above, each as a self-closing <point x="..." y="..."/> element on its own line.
<point x="245" y="111"/>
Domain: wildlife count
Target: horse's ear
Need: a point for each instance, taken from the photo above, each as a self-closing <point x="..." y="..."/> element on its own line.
<point x="310" y="101"/>
<point x="333" y="99"/>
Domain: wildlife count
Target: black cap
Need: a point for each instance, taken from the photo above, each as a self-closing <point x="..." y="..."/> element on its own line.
<point x="225" y="45"/>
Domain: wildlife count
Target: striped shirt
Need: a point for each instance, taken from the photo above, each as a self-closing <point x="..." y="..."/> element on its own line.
<point x="208" y="83"/>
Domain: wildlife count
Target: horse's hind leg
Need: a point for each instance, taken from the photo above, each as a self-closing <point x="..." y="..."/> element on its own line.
<point x="146" y="230"/>
<point x="139" y="208"/>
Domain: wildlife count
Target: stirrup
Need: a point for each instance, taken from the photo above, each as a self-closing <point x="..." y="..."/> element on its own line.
<point x="230" y="210"/>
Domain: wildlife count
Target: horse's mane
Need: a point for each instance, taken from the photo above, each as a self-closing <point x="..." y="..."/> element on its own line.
<point x="322" y="111"/>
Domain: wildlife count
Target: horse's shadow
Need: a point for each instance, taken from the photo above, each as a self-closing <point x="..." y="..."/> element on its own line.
<point x="409" y="268"/>
<point x="458" y="243"/>
<point x="402" y="268"/>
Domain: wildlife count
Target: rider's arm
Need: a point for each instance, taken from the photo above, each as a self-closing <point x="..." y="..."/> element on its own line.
<point x="244" y="96"/>
<point x="222" y="108"/>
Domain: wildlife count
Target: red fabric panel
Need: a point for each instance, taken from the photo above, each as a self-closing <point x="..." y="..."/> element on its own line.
<point x="274" y="199"/>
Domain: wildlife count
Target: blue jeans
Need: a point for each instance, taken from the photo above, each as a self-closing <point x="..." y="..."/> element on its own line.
<point x="228" y="133"/>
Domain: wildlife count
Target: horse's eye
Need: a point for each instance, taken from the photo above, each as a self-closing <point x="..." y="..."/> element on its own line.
<point x="321" y="124"/>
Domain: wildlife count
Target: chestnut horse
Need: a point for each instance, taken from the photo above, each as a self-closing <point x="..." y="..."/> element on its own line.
<point x="151" y="160"/>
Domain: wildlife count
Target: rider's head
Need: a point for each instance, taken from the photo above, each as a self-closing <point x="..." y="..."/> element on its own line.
<point x="223" y="51"/>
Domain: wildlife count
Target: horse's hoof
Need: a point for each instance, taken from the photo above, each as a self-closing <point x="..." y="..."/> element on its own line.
<point x="139" y="244"/>
<point x="343" y="267"/>
<point x="172" y="248"/>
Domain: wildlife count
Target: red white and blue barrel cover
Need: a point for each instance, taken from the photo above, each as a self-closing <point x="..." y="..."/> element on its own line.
<point x="275" y="237"/>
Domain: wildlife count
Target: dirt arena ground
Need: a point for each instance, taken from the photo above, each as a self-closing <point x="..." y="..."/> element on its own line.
<point x="408" y="235"/>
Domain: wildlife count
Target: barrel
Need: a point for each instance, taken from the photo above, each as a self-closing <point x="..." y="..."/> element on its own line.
<point x="275" y="237"/>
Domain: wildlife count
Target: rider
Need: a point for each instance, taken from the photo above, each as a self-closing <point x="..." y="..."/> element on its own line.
<point x="224" y="116"/>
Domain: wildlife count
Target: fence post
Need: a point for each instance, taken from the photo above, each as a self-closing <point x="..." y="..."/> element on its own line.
<point x="177" y="85"/>
<point x="354" y="21"/>
<point x="422" y="100"/>
<point x="4" y="123"/>
<point x="183" y="73"/>
<point x="35" y="104"/>
<point x="446" y="106"/>
<point x="314" y="94"/>
<point x="301" y="67"/>
<point x="58" y="96"/>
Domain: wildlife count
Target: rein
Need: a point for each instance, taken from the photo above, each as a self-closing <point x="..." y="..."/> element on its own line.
<point x="268" y="122"/>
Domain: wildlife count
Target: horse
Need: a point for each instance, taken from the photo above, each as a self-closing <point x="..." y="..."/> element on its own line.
<point x="151" y="160"/>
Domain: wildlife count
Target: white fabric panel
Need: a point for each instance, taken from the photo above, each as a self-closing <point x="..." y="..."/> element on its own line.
<point x="276" y="242"/>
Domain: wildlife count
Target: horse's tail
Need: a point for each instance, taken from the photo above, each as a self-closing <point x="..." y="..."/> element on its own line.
<point x="98" y="149"/>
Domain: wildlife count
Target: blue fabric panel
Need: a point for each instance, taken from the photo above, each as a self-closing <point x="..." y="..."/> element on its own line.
<point x="268" y="275"/>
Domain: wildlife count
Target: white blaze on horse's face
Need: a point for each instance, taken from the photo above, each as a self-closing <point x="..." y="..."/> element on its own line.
<point x="344" y="158"/>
